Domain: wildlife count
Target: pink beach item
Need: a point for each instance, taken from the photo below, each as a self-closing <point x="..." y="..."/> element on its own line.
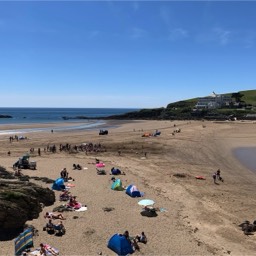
<point x="70" y="185"/>
<point x="99" y="165"/>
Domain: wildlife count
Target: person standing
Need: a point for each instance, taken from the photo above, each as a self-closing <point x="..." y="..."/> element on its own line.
<point x="218" y="175"/>
<point x="214" y="176"/>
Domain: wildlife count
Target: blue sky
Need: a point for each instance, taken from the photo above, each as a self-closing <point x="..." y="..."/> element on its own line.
<point x="138" y="54"/>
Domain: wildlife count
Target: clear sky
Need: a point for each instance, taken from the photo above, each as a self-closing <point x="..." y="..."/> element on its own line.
<point x="138" y="54"/>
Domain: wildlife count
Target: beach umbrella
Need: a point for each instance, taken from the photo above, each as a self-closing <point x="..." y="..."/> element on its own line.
<point x="146" y="202"/>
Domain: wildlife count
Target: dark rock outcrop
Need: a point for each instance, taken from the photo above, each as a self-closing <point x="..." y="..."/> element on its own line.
<point x="5" y="116"/>
<point x="20" y="201"/>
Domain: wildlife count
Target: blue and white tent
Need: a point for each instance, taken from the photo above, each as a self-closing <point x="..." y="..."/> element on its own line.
<point x="120" y="245"/>
<point x="132" y="191"/>
<point x="58" y="184"/>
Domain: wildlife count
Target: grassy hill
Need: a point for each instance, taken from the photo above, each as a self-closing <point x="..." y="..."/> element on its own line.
<point x="249" y="97"/>
<point x="184" y="110"/>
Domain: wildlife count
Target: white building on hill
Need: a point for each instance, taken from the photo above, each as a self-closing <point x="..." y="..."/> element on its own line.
<point x="213" y="101"/>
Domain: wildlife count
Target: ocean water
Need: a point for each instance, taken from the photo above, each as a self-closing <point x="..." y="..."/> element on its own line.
<point x="246" y="156"/>
<point x="55" y="116"/>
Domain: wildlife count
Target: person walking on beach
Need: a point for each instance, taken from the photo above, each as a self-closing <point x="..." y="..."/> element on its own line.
<point x="39" y="151"/>
<point x="218" y="175"/>
<point x="214" y="176"/>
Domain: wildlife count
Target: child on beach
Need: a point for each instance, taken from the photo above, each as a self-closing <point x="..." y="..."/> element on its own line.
<point x="218" y="175"/>
<point x="214" y="176"/>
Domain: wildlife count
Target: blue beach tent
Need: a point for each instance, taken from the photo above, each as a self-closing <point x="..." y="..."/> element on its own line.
<point x="120" y="245"/>
<point x="132" y="191"/>
<point x="115" y="171"/>
<point x="58" y="184"/>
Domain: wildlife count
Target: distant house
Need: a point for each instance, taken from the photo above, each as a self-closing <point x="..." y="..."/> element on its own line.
<point x="213" y="101"/>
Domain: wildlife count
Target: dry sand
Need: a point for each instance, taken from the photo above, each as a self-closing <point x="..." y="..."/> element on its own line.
<point x="202" y="218"/>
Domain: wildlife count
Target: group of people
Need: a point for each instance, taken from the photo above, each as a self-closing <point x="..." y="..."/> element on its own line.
<point x="77" y="167"/>
<point x="52" y="228"/>
<point x="134" y="240"/>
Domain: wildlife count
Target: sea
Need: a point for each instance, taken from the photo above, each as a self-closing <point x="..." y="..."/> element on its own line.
<point x="54" y="116"/>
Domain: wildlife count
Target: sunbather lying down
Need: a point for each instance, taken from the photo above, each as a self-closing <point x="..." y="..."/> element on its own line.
<point x="46" y="249"/>
<point x="51" y="215"/>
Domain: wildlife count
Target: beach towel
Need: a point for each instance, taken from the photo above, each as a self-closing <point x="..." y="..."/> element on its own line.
<point x="82" y="209"/>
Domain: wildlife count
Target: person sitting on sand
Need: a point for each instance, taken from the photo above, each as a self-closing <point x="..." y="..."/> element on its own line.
<point x="79" y="167"/>
<point x="142" y="238"/>
<point x="51" y="215"/>
<point x="64" y="174"/>
<point x="49" y="227"/>
<point x="74" y="167"/>
<point x="65" y="195"/>
<point x="126" y="235"/>
<point x="74" y="204"/>
<point x="150" y="208"/>
<point x="18" y="173"/>
<point x="115" y="171"/>
<point x="73" y="200"/>
<point x="60" y="228"/>
<point x="131" y="240"/>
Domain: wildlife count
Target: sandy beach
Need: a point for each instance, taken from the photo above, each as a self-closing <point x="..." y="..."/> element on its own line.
<point x="201" y="217"/>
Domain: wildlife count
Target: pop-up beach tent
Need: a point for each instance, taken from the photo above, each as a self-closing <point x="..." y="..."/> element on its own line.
<point x="58" y="184"/>
<point x="132" y="191"/>
<point x="117" y="185"/>
<point x="120" y="245"/>
<point x="115" y="171"/>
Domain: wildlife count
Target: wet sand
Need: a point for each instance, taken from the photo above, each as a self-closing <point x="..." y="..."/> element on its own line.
<point x="247" y="157"/>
